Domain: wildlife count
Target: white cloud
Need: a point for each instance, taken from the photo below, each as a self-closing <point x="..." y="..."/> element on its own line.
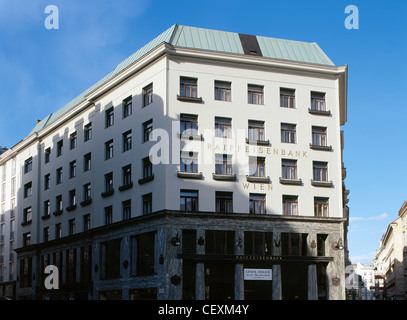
<point x="372" y="218"/>
<point x="364" y="258"/>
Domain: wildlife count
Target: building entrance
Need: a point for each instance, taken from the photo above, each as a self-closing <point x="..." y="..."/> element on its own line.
<point x="219" y="280"/>
<point x="294" y="281"/>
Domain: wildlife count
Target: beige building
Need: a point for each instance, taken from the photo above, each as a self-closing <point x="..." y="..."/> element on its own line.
<point x="390" y="260"/>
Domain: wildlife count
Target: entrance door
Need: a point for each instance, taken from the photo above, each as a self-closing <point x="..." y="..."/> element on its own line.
<point x="294" y="281"/>
<point x="219" y="280"/>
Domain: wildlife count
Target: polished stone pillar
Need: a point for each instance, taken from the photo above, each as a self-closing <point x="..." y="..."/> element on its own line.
<point x="239" y="272"/>
<point x="312" y="282"/>
<point x="276" y="285"/>
<point x="200" y="266"/>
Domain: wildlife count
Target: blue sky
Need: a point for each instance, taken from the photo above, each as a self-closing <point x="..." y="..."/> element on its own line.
<point x="42" y="70"/>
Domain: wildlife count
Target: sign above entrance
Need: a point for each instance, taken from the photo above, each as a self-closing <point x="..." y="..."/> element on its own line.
<point x="258" y="274"/>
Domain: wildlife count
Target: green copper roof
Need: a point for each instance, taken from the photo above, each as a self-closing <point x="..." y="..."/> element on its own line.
<point x="206" y="39"/>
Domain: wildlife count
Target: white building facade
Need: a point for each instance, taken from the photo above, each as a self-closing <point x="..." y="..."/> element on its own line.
<point x="190" y="165"/>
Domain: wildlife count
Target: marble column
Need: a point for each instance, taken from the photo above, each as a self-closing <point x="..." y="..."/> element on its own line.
<point x="239" y="278"/>
<point x="276" y="285"/>
<point x="200" y="266"/>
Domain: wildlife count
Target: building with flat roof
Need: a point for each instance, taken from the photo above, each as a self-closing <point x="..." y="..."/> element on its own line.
<point x="207" y="165"/>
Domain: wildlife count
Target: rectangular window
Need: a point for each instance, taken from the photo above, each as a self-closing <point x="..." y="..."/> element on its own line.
<point x="257" y="167"/>
<point x="126" y="173"/>
<point x="142" y="254"/>
<point x="294" y="244"/>
<point x="188" y="241"/>
<point x="109" y="116"/>
<point x="127" y="107"/>
<point x="288" y="133"/>
<point x="72" y="169"/>
<point x="289" y="169"/>
<point x="86" y="222"/>
<point x="319" y="136"/>
<point x="189" y="124"/>
<point x="223" y="164"/>
<point x="47" y="208"/>
<point x="189" y="200"/>
<point x="147" y="203"/>
<point x="27" y="214"/>
<point x="321" y="207"/>
<point x="73" y="140"/>
<point x="318" y="101"/>
<point x="71" y="227"/>
<point x="258" y="243"/>
<point x="26" y="267"/>
<point x="72" y="197"/>
<point x="188" y="87"/>
<point x="13" y="187"/>
<point x="58" y="231"/>
<point x="88" y="132"/>
<point x="70" y="259"/>
<point x="147" y="167"/>
<point x="256" y="130"/>
<point x="219" y="242"/>
<point x="287" y="98"/>
<point x="148" y="95"/>
<point x="47" y="155"/>
<point x="87" y="192"/>
<point x="320" y="171"/>
<point x="127" y="141"/>
<point x="47" y="181"/>
<point x="110" y="259"/>
<point x="45" y="234"/>
<point x="28" y="189"/>
<point x="223" y="127"/>
<point x="59" y="175"/>
<point x="224" y="202"/>
<point x="109" y="149"/>
<point x="223" y="90"/>
<point x="87" y="159"/>
<point x="60" y="145"/>
<point x="147" y="129"/>
<point x="108" y="215"/>
<point x="58" y="203"/>
<point x="321" y="243"/>
<point x="255" y="94"/>
<point x="109" y="182"/>
<point x="189" y="162"/>
<point x="126" y="209"/>
<point x="257" y="203"/>
<point x="28" y="165"/>
<point x="26" y="239"/>
<point x="290" y="205"/>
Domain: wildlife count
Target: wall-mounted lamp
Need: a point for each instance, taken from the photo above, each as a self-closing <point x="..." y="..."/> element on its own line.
<point x="239" y="243"/>
<point x="176" y="241"/>
<point x="125" y="264"/>
<point x="161" y="259"/>
<point x="338" y="245"/>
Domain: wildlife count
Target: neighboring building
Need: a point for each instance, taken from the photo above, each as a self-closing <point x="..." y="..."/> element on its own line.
<point x="208" y="165"/>
<point x="366" y="288"/>
<point x="388" y="262"/>
<point x="8" y="196"/>
<point x="403" y="217"/>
